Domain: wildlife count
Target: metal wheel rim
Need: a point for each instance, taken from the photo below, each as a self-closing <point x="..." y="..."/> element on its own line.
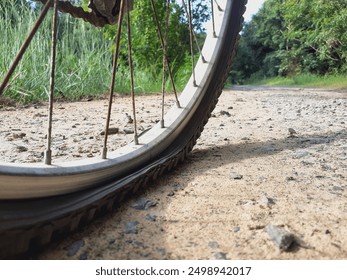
<point x="20" y="181"/>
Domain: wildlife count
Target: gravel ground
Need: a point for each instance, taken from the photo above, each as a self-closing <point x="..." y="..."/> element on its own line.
<point x="266" y="180"/>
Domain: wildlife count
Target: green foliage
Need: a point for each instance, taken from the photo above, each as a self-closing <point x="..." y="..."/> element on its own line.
<point x="288" y="37"/>
<point x="11" y="3"/>
<point x="319" y="32"/>
<point x="261" y="39"/>
<point x="146" y="47"/>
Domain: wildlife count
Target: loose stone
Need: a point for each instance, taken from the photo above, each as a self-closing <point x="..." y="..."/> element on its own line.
<point x="236" y="176"/>
<point x="281" y="237"/>
<point x="151" y="218"/>
<point x="131" y="227"/>
<point x="220" y="256"/>
<point x="213" y="244"/>
<point x="74" y="247"/>
<point x="143" y="204"/>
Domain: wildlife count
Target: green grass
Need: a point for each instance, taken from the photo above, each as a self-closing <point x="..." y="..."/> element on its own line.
<point x="84" y="60"/>
<point x="335" y="82"/>
<point x="83" y="57"/>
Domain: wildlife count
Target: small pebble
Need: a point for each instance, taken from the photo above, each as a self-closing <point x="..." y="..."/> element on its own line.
<point x="21" y="149"/>
<point x="213" y="244"/>
<point x="301" y="154"/>
<point x="84" y="256"/>
<point x="162" y="251"/>
<point x="131" y="227"/>
<point x="74" y="248"/>
<point x="151" y="218"/>
<point x="236" y="229"/>
<point x="172" y="193"/>
<point x="290" y="178"/>
<point x="111" y="131"/>
<point x="236" y="176"/>
<point x="128" y="131"/>
<point x="337" y="189"/>
<point x="225" y="113"/>
<point x="268" y="201"/>
<point x="143" y="204"/>
<point x="281" y="237"/>
<point x="292" y="132"/>
<point x="19" y="135"/>
<point x="220" y="256"/>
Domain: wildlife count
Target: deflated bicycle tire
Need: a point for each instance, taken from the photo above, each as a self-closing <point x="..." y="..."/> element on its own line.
<point x="29" y="224"/>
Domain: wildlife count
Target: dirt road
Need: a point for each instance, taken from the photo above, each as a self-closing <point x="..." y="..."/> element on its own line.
<point x="268" y="157"/>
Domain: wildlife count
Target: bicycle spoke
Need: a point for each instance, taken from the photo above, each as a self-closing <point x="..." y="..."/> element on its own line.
<point x="48" y="152"/>
<point x="25" y="46"/>
<point x="162" y="123"/>
<point x="113" y="79"/>
<point x="191" y="41"/>
<point x="213" y="20"/>
<point x="160" y="34"/>
<point x="136" y="141"/>
<point x="194" y="34"/>
<point x="219" y="7"/>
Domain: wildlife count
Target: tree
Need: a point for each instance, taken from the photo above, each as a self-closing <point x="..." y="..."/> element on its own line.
<point x="318" y="34"/>
<point x="287" y="37"/>
<point x="261" y="42"/>
<point x="147" y="50"/>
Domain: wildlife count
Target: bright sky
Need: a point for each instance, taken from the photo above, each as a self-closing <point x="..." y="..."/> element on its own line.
<point x="252" y="8"/>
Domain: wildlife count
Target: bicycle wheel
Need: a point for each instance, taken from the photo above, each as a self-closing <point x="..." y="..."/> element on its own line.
<point x="39" y="203"/>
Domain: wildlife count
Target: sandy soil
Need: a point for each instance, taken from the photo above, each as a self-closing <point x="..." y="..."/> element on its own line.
<point x="248" y="172"/>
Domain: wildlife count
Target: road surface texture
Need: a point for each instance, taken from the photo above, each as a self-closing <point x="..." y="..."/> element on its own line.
<point x="266" y="180"/>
